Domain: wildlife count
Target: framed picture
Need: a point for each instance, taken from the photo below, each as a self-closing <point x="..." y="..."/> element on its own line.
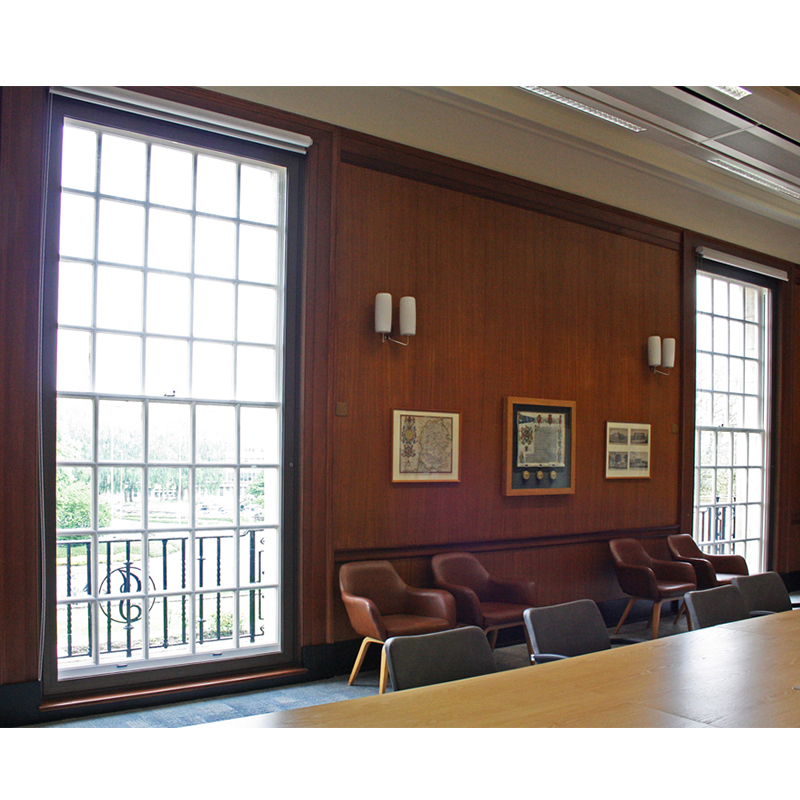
<point x="627" y="450"/>
<point x="538" y="446"/>
<point x="425" y="446"/>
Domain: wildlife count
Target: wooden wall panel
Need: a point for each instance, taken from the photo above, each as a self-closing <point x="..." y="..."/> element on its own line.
<point x="509" y="302"/>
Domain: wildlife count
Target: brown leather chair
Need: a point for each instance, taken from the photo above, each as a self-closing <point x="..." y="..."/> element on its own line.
<point x="710" y="570"/>
<point x="481" y="599"/>
<point x="380" y="604"/>
<point x="647" y="578"/>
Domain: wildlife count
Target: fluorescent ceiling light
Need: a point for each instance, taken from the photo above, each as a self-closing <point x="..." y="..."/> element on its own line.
<point x="736" y="92"/>
<point x="595" y="112"/>
<point x="755" y="177"/>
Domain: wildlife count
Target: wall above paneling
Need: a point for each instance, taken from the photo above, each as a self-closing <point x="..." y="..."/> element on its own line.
<point x="515" y="133"/>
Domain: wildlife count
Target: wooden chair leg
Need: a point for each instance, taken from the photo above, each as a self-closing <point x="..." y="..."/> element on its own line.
<point x="493" y="638"/>
<point x="625" y="614"/>
<point x="656" y="617"/>
<point x="362" y="651"/>
<point x="384" y="672"/>
<point x="685" y="609"/>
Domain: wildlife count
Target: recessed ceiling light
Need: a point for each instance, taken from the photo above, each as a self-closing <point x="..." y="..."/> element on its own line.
<point x="736" y="92"/>
<point x="595" y="112"/>
<point x="755" y="177"/>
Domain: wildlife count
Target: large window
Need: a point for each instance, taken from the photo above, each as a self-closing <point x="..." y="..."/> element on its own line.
<point x="172" y="500"/>
<point x="732" y="433"/>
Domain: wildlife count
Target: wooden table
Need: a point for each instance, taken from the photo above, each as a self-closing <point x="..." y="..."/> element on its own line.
<point x="743" y="674"/>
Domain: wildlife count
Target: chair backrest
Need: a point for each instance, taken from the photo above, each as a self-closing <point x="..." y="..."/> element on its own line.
<point x="461" y="569"/>
<point x="764" y="591"/>
<point x="430" y="658"/>
<point x="630" y="551"/>
<point x="682" y="545"/>
<point x="716" y="606"/>
<point x="567" y="629"/>
<point x="376" y="580"/>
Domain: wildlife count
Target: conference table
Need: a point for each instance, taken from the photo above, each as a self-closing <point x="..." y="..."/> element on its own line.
<point x="742" y="674"/>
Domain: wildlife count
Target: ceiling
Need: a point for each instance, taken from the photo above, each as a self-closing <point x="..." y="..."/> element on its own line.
<point x="745" y="151"/>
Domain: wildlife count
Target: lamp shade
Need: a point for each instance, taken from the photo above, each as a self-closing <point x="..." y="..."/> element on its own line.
<point x="668" y="354"/>
<point x="383" y="312"/>
<point x="654" y="351"/>
<point x="408" y="316"/>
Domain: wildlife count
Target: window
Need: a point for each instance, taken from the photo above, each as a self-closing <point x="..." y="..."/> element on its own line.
<point x="172" y="525"/>
<point x="732" y="427"/>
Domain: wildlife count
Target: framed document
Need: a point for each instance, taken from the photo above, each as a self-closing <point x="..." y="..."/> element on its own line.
<point x="538" y="446"/>
<point x="425" y="446"/>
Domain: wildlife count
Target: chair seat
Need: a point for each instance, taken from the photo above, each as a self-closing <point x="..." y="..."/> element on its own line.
<point x="501" y="613"/>
<point x="409" y="624"/>
<point x="674" y="588"/>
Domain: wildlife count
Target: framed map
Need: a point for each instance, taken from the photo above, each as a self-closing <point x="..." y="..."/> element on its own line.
<point x="539" y="446"/>
<point x="425" y="446"/>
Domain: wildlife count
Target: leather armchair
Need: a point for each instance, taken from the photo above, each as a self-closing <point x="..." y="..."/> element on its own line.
<point x="710" y="570"/>
<point x="380" y="605"/>
<point x="482" y="599"/>
<point x="647" y="578"/>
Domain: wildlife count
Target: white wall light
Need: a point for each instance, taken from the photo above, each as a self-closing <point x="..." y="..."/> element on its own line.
<point x="383" y="317"/>
<point x="660" y="354"/>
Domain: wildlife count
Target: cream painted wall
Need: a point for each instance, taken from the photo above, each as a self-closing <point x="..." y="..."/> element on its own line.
<point x="555" y="148"/>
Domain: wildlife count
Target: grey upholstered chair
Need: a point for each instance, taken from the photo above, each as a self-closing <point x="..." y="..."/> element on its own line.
<point x="716" y="606"/>
<point x="430" y="658"/>
<point x="764" y="592"/>
<point x="567" y="630"/>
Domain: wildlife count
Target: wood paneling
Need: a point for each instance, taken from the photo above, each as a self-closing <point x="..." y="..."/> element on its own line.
<point x="21" y="174"/>
<point x="510" y="302"/>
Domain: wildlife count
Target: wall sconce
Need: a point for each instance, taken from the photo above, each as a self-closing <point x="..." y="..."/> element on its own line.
<point x="383" y="317"/>
<point x="660" y="355"/>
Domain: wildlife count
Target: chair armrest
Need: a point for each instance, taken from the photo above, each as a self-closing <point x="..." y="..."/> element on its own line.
<point x="731" y="563"/>
<point x="520" y="592"/>
<point x="364" y="616"/>
<point x="704" y="569"/>
<point x="431" y="603"/>
<point x="674" y="571"/>
<point x="758" y="613"/>
<point x="543" y="658"/>
<point x="468" y="605"/>
<point x="637" y="581"/>
<point x="622" y="640"/>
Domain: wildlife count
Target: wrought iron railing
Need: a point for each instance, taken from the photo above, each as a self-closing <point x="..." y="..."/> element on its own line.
<point x="716" y="532"/>
<point x="122" y="582"/>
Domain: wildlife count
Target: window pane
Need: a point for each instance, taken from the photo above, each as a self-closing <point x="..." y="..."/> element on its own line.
<point x="119" y="364"/>
<point x="168" y="304"/>
<point x="77" y="226"/>
<point x="216" y="561"/>
<point x="168" y="497"/>
<point x="216" y="186"/>
<point x="259" y="497"/>
<point x="74" y="365"/>
<point x="704" y="294"/>
<point x="212" y="370"/>
<point x="74" y="498"/>
<point x="79" y="158"/>
<point x="721" y="297"/>
<point x="258" y="556"/>
<point x="74" y="429"/>
<point x="119" y="298"/>
<point x="255" y="374"/>
<point x="167" y="370"/>
<point x="216" y="433"/>
<point x="169" y="241"/>
<point x="170" y="557"/>
<point x="257" y="616"/>
<point x="215" y="496"/>
<point x="171" y="177"/>
<point x="259" y="197"/>
<point x="214" y="309"/>
<point x="170" y="432"/>
<point x="260" y="435"/>
<point x="258" y="254"/>
<point x="121" y="235"/>
<point x="120" y="430"/>
<point x="75" y="293"/>
<point x="120" y="491"/>
<point x="123" y="167"/>
<point x="215" y="248"/>
<point x="257" y="314"/>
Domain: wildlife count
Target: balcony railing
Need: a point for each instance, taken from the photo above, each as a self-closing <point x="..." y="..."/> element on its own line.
<point x="121" y="580"/>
